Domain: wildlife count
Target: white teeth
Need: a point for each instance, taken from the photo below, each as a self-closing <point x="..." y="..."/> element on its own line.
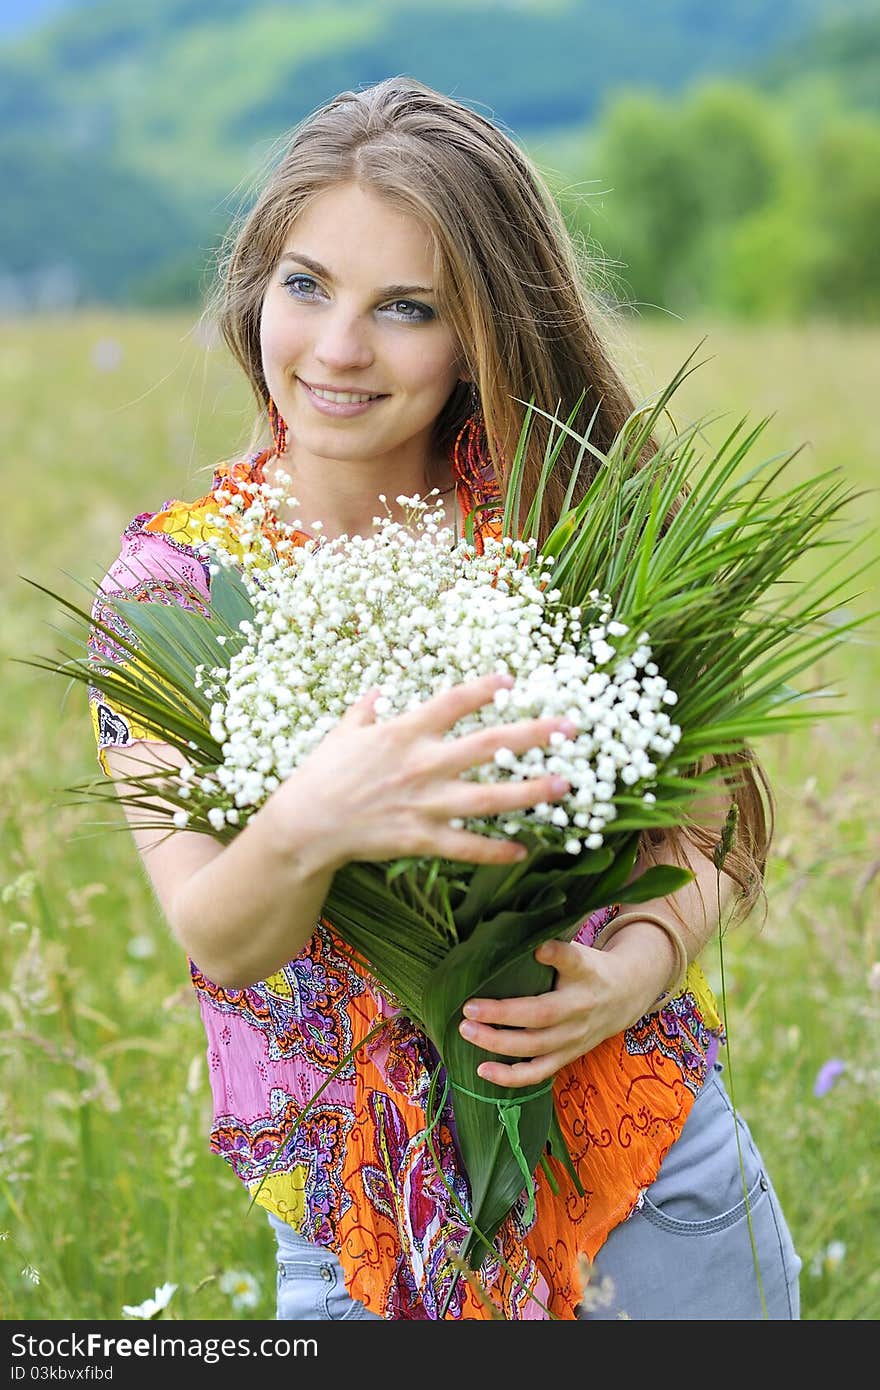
<point x="343" y="397"/>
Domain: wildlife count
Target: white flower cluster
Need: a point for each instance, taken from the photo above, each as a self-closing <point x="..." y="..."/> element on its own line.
<point x="411" y="613"/>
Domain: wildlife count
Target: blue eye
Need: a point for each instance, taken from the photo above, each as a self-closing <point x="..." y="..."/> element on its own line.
<point x="422" y="312"/>
<point x="292" y="280"/>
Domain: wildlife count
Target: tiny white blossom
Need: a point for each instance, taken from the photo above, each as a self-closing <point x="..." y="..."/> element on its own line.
<point x="151" y="1307"/>
<point x="242" y="1288"/>
<point x="408" y="611"/>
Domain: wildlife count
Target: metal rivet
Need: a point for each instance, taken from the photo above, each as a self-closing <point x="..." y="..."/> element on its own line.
<point x="765" y="1184"/>
<point x="326" y="1273"/>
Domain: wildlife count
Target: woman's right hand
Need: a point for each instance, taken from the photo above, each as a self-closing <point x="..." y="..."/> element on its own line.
<point x="389" y="789"/>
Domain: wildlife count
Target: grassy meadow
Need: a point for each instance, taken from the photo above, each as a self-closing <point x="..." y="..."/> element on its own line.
<point x="107" y="1189"/>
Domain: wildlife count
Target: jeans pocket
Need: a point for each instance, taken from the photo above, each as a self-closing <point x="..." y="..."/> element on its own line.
<point x="339" y="1304"/>
<point x="713" y="1184"/>
<point x="297" y="1295"/>
<point x="696" y="1221"/>
<point x="712" y="1171"/>
<point x="314" y="1290"/>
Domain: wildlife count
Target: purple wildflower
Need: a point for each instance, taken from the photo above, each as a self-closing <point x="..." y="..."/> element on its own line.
<point x="827" y="1075"/>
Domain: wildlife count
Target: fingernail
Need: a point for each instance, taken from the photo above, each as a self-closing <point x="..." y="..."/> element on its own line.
<point x="568" y="728"/>
<point x="504" y="677"/>
<point x="467" y="1030"/>
<point x="559" y="785"/>
<point x="471" y="1011"/>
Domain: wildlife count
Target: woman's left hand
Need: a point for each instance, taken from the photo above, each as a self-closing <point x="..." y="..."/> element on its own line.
<point x="596" y="994"/>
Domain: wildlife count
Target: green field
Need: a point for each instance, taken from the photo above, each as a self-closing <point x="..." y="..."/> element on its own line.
<point x="106" y="1184"/>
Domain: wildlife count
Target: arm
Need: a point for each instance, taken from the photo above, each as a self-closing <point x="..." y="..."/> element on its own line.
<point x="691" y="916"/>
<point x="369" y="791"/>
<point x="239" y="911"/>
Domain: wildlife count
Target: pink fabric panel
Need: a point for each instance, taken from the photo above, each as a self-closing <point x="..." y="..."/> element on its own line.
<point x="145" y="556"/>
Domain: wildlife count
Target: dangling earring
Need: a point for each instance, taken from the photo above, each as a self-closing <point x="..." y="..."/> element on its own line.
<point x="279" y="428"/>
<point x="472" y="465"/>
<point x="470" y="453"/>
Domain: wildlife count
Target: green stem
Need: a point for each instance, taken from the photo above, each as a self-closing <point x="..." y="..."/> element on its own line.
<point x="465" y="1215"/>
<point x="429" y="909"/>
<point x="171" y="1241"/>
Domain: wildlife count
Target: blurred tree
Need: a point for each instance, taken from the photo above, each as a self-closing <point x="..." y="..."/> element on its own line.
<point x="845" y="169"/>
<point x="814" y="251"/>
<point x="734" y="149"/>
<point x="681" y="178"/>
<point x="767" y="269"/>
<point x="649" y="218"/>
<point x="720" y="204"/>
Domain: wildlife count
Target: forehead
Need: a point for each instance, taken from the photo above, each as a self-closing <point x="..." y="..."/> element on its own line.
<point x="353" y="230"/>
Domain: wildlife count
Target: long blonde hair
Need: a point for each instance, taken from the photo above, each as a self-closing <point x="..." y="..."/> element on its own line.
<point x="509" y="282"/>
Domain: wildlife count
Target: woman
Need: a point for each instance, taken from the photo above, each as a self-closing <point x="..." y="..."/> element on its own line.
<point x="401" y="285"/>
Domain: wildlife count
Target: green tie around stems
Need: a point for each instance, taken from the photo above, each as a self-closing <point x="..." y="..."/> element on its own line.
<point x="514" y="1275"/>
<point x="509" y="1111"/>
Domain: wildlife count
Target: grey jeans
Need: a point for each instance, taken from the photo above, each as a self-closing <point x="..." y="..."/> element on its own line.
<point x="685" y="1254"/>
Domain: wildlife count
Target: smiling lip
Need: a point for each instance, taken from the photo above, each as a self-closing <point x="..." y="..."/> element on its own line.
<point x="337" y="408"/>
<point x="326" y="386"/>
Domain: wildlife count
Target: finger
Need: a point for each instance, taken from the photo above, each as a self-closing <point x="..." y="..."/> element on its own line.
<point x="566" y="957"/>
<point x="494" y="798"/>
<point x="466" y="847"/>
<point x="522" y="1074"/>
<point x="471" y="750"/>
<point x="441" y="711"/>
<point x="514" y="1042"/>
<point x="363" y="711"/>
<point x="528" y="1012"/>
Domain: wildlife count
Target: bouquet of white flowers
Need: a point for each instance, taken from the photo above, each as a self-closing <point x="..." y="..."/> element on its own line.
<point x="408" y="613"/>
<point x="656" y="593"/>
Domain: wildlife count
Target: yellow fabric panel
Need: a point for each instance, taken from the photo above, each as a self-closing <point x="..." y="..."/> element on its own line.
<point x="284" y="1194"/>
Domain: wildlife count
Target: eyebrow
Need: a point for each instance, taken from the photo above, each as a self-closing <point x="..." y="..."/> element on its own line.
<point x="389" y="291"/>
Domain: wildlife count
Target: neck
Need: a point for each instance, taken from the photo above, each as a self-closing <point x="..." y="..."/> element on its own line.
<point x="344" y="496"/>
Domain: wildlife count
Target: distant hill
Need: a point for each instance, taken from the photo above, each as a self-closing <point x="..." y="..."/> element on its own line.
<point x="840" y="58"/>
<point x="135" y="128"/>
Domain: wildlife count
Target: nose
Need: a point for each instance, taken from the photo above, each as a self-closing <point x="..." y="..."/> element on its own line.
<point x="343" y="340"/>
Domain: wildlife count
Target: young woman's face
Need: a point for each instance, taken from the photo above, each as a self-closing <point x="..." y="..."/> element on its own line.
<point x="350" y="307"/>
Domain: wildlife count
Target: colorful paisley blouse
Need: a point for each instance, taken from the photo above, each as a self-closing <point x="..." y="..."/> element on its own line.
<point x="358" y="1175"/>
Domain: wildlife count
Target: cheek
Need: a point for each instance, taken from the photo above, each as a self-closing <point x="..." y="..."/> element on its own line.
<point x="277" y="333"/>
<point x="435" y="371"/>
